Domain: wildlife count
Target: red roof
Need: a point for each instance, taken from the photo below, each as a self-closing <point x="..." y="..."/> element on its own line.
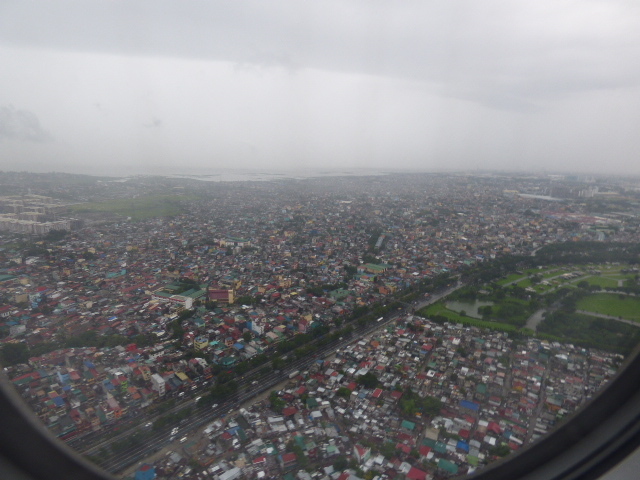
<point x="405" y="448"/>
<point x="361" y="450"/>
<point x="424" y="450"/>
<point x="494" y="427"/>
<point x="416" y="474"/>
<point x="289" y="457"/>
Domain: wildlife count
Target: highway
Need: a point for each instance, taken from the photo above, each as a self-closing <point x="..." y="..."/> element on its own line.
<point x="246" y="392"/>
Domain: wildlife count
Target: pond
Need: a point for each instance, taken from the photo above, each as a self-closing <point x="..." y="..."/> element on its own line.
<point x="470" y="308"/>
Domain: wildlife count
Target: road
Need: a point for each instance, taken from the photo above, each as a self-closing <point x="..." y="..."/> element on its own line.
<point x="246" y="393"/>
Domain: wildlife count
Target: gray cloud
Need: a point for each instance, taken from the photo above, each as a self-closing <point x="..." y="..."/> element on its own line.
<point x="412" y="84"/>
<point x="154" y="123"/>
<point x="526" y="51"/>
<point x="21" y="125"/>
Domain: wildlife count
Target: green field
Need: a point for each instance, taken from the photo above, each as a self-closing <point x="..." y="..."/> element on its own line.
<point x="610" y="269"/>
<point x="623" y="306"/>
<point x="524" y="283"/>
<point x="603" y="282"/>
<point x="511" y="278"/>
<point x="137" y="208"/>
<point x="621" y="277"/>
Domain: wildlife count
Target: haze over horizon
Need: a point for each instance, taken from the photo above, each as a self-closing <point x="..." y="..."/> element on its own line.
<point x="109" y="87"/>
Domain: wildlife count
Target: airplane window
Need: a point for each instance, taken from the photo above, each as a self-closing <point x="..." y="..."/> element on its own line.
<point x="326" y="240"/>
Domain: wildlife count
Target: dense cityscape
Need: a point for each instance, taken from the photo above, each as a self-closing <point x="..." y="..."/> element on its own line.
<point x="306" y="328"/>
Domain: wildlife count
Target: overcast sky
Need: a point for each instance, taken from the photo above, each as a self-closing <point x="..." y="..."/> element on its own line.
<point x="159" y="86"/>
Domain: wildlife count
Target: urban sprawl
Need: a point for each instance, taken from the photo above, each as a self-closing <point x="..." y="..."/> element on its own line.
<point x="176" y="328"/>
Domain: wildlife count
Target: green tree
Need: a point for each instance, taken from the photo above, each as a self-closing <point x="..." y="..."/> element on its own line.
<point x="245" y="300"/>
<point x="368" y="380"/>
<point x="344" y="392"/>
<point x="501" y="450"/>
<point x="278" y="363"/>
<point x="340" y="463"/>
<point x="14" y="353"/>
<point x="301" y="458"/>
<point x="277" y="404"/>
<point x="56" y="235"/>
<point x="176" y="328"/>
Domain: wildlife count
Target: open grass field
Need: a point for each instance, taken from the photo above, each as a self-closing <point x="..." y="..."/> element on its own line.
<point x="624" y="306"/>
<point x="524" y="283"/>
<point x="609" y="269"/>
<point x="137" y="208"/>
<point x="624" y="277"/>
<point x="511" y="278"/>
<point x="604" y="282"/>
<point x="609" y="278"/>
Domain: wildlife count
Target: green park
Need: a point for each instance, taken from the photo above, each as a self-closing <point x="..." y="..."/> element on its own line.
<point x="592" y="305"/>
<point x="140" y="208"/>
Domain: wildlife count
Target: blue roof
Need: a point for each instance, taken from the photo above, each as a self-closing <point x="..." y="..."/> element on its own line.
<point x="59" y="401"/>
<point x="146" y="472"/>
<point x="470" y="405"/>
<point x="464" y="446"/>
